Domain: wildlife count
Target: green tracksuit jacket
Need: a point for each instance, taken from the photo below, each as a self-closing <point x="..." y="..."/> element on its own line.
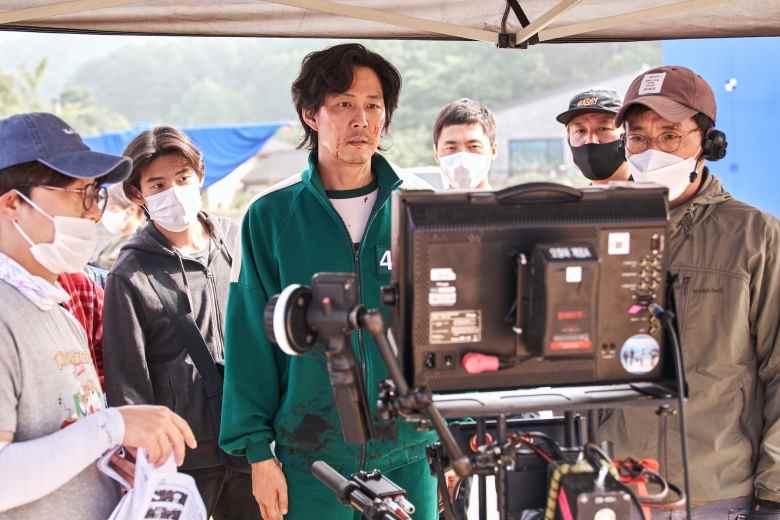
<point x="291" y="232"/>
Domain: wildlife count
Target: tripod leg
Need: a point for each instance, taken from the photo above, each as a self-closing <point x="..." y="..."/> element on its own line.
<point x="592" y="427"/>
<point x="663" y="439"/>
<point x="569" y="432"/>
<point x="501" y="477"/>
<point x="482" y="438"/>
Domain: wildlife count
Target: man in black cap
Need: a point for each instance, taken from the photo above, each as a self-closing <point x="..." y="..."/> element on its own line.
<point x="596" y="143"/>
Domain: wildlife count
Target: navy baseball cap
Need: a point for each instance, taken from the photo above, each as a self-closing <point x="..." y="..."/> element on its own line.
<point x="593" y="100"/>
<point x="47" y="139"/>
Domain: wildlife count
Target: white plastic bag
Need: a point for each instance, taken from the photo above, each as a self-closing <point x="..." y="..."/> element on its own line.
<point x="157" y="493"/>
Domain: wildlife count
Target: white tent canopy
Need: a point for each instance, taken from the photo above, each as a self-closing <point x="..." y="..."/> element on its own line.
<point x="550" y="20"/>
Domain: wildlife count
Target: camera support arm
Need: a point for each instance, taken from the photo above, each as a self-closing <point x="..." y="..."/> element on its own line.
<point x="413" y="400"/>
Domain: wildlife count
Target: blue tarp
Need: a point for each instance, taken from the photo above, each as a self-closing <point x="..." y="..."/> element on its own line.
<point x="224" y="148"/>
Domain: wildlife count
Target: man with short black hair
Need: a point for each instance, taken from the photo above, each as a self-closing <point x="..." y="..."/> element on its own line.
<point x="334" y="217"/>
<point x="596" y="142"/>
<point x="724" y="259"/>
<point x="464" y="143"/>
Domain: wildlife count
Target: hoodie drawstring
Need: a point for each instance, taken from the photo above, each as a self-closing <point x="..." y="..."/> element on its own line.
<point x="190" y="307"/>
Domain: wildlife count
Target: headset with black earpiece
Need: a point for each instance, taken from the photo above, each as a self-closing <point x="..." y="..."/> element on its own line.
<point x="714" y="145"/>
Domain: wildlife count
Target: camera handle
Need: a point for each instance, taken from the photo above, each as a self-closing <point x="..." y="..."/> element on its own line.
<point x="541" y="192"/>
<point x="371" y="494"/>
<point x="348" y="393"/>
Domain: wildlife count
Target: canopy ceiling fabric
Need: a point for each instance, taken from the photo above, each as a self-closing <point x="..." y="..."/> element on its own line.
<point x="418" y="19"/>
<point x="223" y="148"/>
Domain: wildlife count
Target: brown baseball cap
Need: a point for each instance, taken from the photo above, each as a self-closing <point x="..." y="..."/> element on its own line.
<point x="673" y="92"/>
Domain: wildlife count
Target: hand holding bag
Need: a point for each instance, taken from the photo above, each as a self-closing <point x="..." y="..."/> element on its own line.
<point x="157" y="493"/>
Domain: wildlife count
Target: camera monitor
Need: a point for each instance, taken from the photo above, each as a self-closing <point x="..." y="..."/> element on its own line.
<point x="535" y="285"/>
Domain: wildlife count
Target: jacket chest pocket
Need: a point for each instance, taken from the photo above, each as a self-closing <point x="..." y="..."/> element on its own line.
<point x="712" y="309"/>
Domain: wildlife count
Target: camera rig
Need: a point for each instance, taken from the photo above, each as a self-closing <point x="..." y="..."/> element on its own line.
<point x="523" y="323"/>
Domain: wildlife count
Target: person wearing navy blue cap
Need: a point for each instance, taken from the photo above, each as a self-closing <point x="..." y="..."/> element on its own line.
<point x="54" y="424"/>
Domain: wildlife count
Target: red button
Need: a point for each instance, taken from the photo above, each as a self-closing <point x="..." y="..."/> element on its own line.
<point x="581" y="344"/>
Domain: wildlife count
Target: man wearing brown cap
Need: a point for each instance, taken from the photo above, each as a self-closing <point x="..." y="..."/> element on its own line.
<point x="596" y="143"/>
<point x="725" y="260"/>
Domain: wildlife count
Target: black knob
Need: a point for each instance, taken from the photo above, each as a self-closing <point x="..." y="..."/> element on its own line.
<point x="268" y="317"/>
<point x="389" y="295"/>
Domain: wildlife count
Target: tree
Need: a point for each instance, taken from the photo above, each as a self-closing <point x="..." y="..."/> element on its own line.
<point x="210" y="81"/>
<point x="21" y="93"/>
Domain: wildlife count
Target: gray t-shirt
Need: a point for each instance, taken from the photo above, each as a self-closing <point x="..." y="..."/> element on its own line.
<point x="47" y="381"/>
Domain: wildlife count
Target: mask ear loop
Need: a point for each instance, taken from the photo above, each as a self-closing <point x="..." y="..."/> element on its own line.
<point x="142" y="206"/>
<point x="33" y="204"/>
<point x="18" y="226"/>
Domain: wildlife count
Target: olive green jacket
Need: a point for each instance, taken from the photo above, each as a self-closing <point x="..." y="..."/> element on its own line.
<point x="725" y="255"/>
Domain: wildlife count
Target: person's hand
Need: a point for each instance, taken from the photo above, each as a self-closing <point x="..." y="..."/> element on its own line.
<point x="158" y="430"/>
<point x="123" y="463"/>
<point x="452" y="482"/>
<point x="270" y="489"/>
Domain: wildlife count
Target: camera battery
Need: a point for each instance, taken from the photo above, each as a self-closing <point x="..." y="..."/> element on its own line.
<point x="586" y="503"/>
<point x="607" y="505"/>
<point x="563" y="285"/>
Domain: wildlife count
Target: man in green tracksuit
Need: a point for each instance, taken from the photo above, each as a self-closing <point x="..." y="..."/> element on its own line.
<point x="335" y="217"/>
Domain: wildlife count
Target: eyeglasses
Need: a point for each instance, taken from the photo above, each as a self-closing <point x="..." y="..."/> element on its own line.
<point x="92" y="195"/>
<point x="668" y="142"/>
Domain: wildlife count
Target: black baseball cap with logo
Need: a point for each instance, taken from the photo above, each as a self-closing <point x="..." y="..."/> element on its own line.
<point x="594" y="100"/>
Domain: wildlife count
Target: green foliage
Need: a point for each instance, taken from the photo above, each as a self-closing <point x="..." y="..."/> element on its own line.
<point x="435" y="73"/>
<point x="229" y="81"/>
<point x="21" y="93"/>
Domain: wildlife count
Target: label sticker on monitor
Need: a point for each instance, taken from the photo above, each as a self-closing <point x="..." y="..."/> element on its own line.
<point x="442" y="294"/>
<point x="640" y="354"/>
<point x="619" y="243"/>
<point x="443" y="274"/>
<point x="447" y="327"/>
<point x="573" y="274"/>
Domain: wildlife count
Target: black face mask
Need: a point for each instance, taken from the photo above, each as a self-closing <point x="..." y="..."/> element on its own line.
<point x="599" y="161"/>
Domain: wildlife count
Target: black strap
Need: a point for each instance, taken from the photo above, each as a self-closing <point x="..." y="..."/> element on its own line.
<point x="519" y="13"/>
<point x="508" y="39"/>
<point x="188" y="332"/>
<point x="192" y="340"/>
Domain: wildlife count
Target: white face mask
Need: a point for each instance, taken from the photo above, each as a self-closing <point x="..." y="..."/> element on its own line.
<point x="464" y="170"/>
<point x="75" y="241"/>
<point x="175" y="208"/>
<point x="114" y="221"/>
<point x="663" y="168"/>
